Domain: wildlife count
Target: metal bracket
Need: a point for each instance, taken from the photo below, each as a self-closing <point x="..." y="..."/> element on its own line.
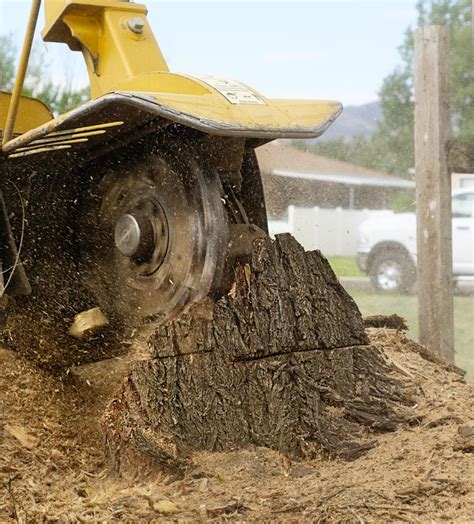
<point x="87" y="31"/>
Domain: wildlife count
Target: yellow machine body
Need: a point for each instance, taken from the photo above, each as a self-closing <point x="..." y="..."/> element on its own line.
<point x="32" y="113"/>
<point x="141" y="200"/>
<point x="126" y="68"/>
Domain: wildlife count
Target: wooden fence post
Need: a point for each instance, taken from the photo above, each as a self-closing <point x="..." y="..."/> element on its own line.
<point x="433" y="191"/>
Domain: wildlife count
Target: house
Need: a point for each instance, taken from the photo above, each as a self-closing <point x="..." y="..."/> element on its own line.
<point x="302" y="179"/>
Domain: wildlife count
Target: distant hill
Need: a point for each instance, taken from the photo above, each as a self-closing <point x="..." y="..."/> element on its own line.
<point x="354" y="120"/>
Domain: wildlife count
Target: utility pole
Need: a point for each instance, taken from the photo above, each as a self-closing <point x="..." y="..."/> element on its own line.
<point x="433" y="191"/>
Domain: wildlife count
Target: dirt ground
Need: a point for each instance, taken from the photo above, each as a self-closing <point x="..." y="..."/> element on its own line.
<point x="51" y="466"/>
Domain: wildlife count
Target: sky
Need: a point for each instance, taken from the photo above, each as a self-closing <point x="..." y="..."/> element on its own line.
<point x="327" y="49"/>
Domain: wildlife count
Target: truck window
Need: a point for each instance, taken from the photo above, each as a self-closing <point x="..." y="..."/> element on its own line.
<point x="463" y="205"/>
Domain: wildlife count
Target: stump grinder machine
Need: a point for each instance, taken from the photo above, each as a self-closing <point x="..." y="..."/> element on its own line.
<point x="139" y="201"/>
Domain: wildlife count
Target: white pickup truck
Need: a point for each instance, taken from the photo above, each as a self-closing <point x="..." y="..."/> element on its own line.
<point x="387" y="245"/>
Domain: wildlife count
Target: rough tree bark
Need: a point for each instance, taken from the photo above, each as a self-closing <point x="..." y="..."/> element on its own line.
<point x="282" y="361"/>
<point x="461" y="156"/>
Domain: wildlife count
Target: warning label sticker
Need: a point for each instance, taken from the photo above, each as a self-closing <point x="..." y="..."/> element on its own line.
<point x="235" y="92"/>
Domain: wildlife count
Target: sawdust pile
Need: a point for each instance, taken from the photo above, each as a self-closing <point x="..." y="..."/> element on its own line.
<point x="51" y="466"/>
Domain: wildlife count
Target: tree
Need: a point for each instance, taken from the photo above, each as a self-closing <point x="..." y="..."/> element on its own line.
<point x="371" y="152"/>
<point x="7" y="62"/>
<point x="59" y="98"/>
<point x="391" y="147"/>
<point x="396" y="130"/>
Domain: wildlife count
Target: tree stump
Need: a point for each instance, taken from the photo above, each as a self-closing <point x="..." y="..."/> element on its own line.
<point x="282" y="361"/>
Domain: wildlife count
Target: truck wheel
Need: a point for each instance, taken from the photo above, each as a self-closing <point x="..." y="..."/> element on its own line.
<point x="392" y="272"/>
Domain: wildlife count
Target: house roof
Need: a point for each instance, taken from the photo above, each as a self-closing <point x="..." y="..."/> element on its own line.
<point x="347" y="179"/>
<point x="286" y="161"/>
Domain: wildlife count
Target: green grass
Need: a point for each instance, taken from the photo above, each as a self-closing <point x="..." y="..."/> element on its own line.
<point x="345" y="267"/>
<point x="406" y="306"/>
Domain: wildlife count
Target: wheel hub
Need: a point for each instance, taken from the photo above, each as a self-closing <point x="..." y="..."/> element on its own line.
<point x="141" y="234"/>
<point x="389" y="276"/>
<point x="167" y="225"/>
<point x="127" y="235"/>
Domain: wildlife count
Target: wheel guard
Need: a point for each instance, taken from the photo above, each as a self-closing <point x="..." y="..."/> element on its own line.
<point x="121" y="116"/>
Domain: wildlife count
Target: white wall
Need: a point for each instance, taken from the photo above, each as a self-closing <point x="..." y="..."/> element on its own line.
<point x="462" y="181"/>
<point x="333" y="231"/>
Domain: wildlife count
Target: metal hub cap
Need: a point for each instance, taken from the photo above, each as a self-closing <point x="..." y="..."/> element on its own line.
<point x="142" y="235"/>
<point x="389" y="276"/>
<point x="127" y="235"/>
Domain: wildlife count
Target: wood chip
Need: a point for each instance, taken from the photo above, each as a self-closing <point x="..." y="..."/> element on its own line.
<point x="87" y="323"/>
<point x="23" y="437"/>
<point x="165" y="507"/>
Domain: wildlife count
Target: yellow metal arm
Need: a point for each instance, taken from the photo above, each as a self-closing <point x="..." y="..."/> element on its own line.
<point x="130" y="82"/>
<point x="114" y="36"/>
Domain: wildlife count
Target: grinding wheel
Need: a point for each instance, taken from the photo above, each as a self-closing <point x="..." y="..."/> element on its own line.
<point x="155" y="235"/>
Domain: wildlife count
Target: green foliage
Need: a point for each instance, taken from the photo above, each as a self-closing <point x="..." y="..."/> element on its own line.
<point x="391" y="147"/>
<point x="371" y="153"/>
<point x="396" y="94"/>
<point x="403" y="202"/>
<point x="59" y="98"/>
<point x="7" y="63"/>
<point x="462" y="65"/>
